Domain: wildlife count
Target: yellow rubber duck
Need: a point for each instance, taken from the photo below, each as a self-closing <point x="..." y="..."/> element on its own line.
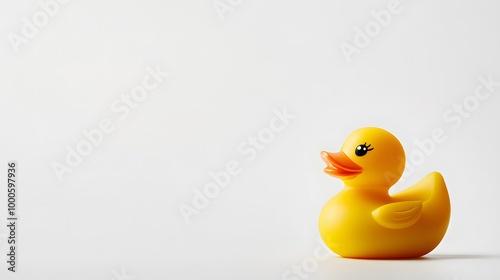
<point x="363" y="220"/>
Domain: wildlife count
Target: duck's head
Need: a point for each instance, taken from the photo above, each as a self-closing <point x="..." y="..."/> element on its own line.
<point x="371" y="157"/>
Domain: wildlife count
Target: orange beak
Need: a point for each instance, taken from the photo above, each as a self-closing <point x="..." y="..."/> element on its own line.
<point x="340" y="165"/>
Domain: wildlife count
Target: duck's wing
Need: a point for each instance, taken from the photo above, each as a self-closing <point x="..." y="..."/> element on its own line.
<point x="398" y="215"/>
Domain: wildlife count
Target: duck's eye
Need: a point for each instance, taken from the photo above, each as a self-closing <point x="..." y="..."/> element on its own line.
<point x="362" y="149"/>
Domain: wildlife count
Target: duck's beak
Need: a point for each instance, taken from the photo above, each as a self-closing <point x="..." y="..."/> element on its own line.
<point x="340" y="165"/>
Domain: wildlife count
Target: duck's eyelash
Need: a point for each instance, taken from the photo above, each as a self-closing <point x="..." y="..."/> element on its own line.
<point x="368" y="147"/>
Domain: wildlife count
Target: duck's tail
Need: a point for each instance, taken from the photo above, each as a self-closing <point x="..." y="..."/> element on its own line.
<point x="432" y="191"/>
<point x="429" y="188"/>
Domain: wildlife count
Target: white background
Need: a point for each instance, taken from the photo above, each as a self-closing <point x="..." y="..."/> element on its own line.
<point x="116" y="216"/>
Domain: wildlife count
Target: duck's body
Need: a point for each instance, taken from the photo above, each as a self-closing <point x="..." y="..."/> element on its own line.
<point x="364" y="221"/>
